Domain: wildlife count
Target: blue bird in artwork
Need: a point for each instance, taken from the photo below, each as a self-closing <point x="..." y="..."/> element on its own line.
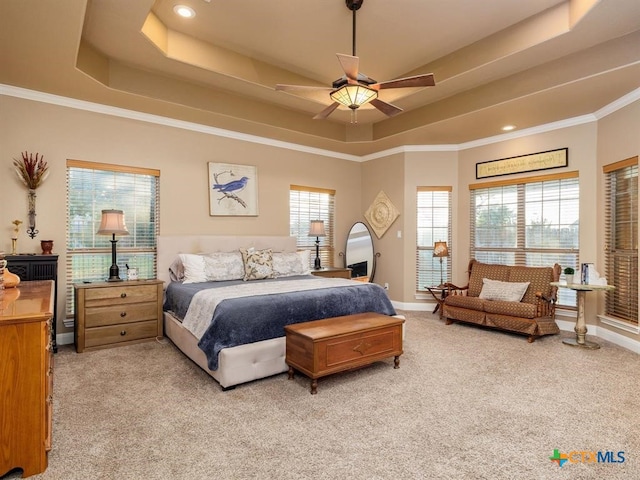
<point x="233" y="186"/>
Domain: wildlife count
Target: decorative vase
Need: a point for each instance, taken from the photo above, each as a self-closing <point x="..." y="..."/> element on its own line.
<point x="10" y="279"/>
<point x="31" y="231"/>
<point x="47" y="246"/>
<point x="569" y="278"/>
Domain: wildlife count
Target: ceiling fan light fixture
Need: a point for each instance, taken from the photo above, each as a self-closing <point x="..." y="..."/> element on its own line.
<point x="353" y="96"/>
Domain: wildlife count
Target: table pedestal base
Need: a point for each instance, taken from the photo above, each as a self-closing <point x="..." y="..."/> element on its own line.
<point x="574" y="343"/>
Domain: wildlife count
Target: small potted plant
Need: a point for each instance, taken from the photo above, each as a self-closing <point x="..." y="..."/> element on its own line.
<point x="568" y="275"/>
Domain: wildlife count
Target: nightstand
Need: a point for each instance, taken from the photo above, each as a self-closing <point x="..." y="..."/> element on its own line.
<point x="108" y="314"/>
<point x="332" y="272"/>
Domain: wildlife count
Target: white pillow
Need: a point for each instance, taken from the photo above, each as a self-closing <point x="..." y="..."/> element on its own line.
<point x="505" y="291"/>
<point x="211" y="267"/>
<point x="287" y="264"/>
<point x="194" y="268"/>
<point x="221" y="266"/>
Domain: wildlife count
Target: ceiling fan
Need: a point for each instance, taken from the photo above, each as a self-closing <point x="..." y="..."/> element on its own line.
<point x="354" y="88"/>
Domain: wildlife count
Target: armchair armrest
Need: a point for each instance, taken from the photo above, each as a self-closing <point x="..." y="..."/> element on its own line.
<point x="546" y="306"/>
<point x="454" y="289"/>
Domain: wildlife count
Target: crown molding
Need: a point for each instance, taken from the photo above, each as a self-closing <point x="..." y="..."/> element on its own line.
<point x="18" y="92"/>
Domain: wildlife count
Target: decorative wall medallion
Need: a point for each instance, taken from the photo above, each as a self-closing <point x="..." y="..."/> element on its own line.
<point x="381" y="214"/>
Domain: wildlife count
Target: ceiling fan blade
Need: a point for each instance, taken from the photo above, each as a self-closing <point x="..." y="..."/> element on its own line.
<point x="349" y="64"/>
<point x="386" y="108"/>
<point x="426" y="80"/>
<point x="327" y="111"/>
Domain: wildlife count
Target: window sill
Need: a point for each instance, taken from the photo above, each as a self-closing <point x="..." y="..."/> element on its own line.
<point x="627" y="327"/>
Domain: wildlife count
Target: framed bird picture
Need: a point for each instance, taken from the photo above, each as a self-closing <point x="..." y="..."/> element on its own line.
<point x="233" y="190"/>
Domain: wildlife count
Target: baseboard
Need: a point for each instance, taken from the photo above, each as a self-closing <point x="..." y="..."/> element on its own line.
<point x="64" y="338"/>
<point x="564" y="325"/>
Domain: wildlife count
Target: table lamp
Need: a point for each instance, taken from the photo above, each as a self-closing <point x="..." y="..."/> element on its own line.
<point x="440" y="250"/>
<point x="316" y="229"/>
<point x="112" y="223"/>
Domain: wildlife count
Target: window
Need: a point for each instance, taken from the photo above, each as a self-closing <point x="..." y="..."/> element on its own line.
<point x="531" y="223"/>
<point x="433" y="208"/>
<point x="306" y="204"/>
<point x="93" y="187"/>
<point x="621" y="233"/>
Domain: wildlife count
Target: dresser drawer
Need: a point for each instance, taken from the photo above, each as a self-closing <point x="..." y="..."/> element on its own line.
<point x="120" y="333"/>
<point x="97" y="297"/>
<point x="120" y="314"/>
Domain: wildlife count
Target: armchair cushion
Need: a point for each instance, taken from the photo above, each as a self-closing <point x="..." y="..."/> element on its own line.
<point x="514" y="309"/>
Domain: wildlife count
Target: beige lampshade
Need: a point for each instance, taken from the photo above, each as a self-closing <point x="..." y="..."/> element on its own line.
<point x="440" y="249"/>
<point x="112" y="223"/>
<point x="316" y="228"/>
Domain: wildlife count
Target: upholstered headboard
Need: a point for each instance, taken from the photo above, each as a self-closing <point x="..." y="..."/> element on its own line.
<point x="169" y="246"/>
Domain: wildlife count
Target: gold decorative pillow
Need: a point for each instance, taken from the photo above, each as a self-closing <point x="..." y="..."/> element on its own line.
<point x="258" y="264"/>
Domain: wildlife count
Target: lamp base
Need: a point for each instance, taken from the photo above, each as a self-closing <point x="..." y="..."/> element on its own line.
<point x="114" y="273"/>
<point x="316" y="263"/>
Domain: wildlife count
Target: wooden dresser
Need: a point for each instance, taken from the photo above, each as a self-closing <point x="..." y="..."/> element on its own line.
<point x="26" y="376"/>
<point x="117" y="313"/>
<point x="38" y="267"/>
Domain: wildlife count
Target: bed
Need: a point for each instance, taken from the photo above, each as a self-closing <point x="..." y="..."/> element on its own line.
<point x="232" y="357"/>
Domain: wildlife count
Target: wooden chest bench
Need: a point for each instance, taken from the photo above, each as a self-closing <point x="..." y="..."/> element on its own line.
<point x="332" y="345"/>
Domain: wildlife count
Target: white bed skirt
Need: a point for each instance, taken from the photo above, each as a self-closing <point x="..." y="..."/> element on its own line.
<point x="236" y="364"/>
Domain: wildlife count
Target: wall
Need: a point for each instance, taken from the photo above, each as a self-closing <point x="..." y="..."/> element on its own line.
<point x="62" y="133"/>
<point x="427" y="169"/>
<point x="618" y="139"/>
<point x="387" y="175"/>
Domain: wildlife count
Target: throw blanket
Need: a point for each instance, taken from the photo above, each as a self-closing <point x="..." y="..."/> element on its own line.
<point x="252" y="315"/>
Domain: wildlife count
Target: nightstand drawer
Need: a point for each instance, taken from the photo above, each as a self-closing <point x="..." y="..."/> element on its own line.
<point x="120" y="314"/>
<point x="121" y="294"/>
<point x="120" y="333"/>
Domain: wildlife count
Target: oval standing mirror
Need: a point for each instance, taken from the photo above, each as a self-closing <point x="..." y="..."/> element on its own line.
<point x="359" y="255"/>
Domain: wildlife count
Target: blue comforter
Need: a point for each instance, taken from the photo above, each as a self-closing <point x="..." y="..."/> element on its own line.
<point x="237" y="321"/>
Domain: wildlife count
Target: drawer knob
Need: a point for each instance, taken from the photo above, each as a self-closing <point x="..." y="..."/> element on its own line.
<point x="123" y="314"/>
<point x="123" y="295"/>
<point x="123" y="333"/>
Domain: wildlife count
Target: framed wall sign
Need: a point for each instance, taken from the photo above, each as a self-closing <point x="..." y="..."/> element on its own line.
<point x="523" y="163"/>
<point x="233" y="190"/>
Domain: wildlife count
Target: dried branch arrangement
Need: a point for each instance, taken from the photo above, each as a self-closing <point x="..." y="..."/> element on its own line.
<point x="31" y="171"/>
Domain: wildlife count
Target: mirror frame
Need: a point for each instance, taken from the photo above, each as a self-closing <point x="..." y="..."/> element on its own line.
<point x="373" y="252"/>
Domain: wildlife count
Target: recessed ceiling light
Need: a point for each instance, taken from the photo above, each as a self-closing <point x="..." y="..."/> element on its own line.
<point x="508" y="128"/>
<point x="184" y="11"/>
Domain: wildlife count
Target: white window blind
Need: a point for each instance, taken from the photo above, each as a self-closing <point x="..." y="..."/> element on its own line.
<point x="306" y="204"/>
<point x="93" y="187"/>
<point x="621" y="231"/>
<point x="529" y="222"/>
<point x="433" y="215"/>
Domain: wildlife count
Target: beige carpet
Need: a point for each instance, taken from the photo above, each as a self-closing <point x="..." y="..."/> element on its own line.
<point x="465" y="403"/>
